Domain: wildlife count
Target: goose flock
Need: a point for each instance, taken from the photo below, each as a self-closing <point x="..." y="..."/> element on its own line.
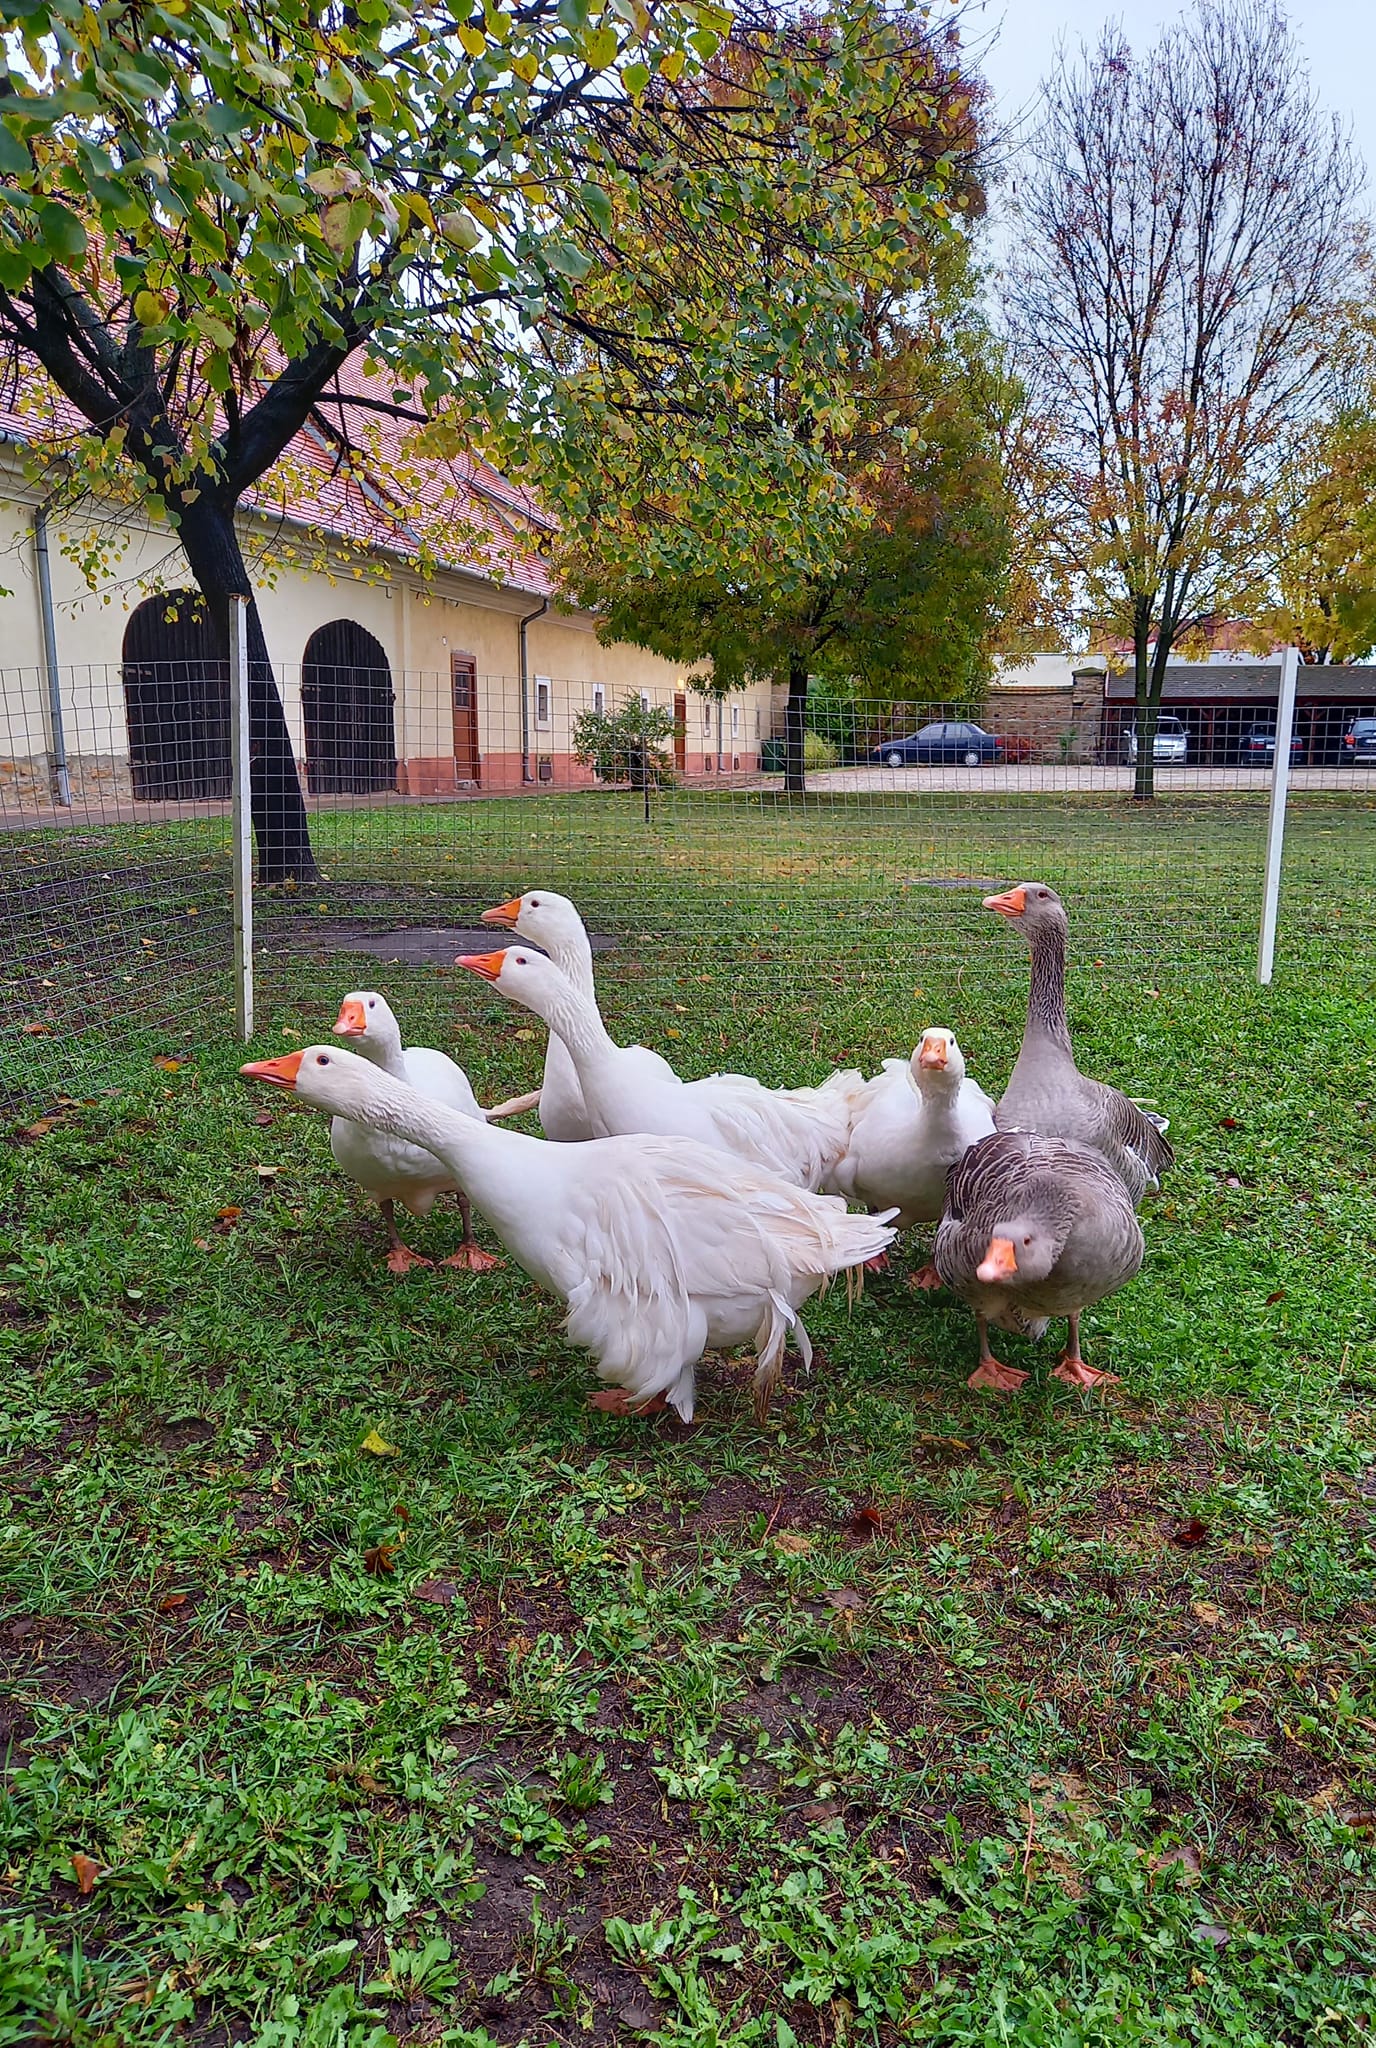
<point x="675" y="1217"/>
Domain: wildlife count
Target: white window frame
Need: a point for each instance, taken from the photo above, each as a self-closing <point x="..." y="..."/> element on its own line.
<point x="645" y="703"/>
<point x="707" y="716"/>
<point x="735" y="721"/>
<point x="544" y="693"/>
<point x="599" y="698"/>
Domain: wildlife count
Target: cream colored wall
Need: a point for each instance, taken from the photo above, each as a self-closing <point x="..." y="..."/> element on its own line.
<point x="418" y="624"/>
<point x="23" y="728"/>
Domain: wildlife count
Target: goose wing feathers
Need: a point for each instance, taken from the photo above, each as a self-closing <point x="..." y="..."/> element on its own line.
<point x="671" y="1253"/>
<point x="1089" y="1112"/>
<point x="798" y="1132"/>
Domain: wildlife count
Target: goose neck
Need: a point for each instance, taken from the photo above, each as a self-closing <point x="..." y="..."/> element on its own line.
<point x="1046" y="1016"/>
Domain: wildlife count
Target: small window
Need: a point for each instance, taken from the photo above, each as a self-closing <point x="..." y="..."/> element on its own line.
<point x="644" y="700"/>
<point x="757" y="721"/>
<point x="707" y="717"/>
<point x="599" y="698"/>
<point x="735" y="721"/>
<point x="543" y="686"/>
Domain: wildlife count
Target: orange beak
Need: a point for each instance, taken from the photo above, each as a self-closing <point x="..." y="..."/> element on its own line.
<point x="505" y="914"/>
<point x="1012" y="903"/>
<point x="932" y="1053"/>
<point x="352" y="1020"/>
<point x="488" y="965"/>
<point x="999" y="1262"/>
<point x="279" y="1073"/>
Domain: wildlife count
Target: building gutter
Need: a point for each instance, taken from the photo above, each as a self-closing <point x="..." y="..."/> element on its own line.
<point x="529" y="619"/>
<point x="62" y="785"/>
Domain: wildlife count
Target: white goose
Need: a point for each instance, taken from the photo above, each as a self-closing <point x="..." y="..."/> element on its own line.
<point x="551" y="922"/>
<point x="910" y="1125"/>
<point x="797" y="1133"/>
<point x="659" y="1247"/>
<point x="387" y="1169"/>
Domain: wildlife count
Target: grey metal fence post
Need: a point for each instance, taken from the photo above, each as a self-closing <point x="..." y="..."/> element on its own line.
<point x="62" y="786"/>
<point x="1275" y="829"/>
<point x="241" y="816"/>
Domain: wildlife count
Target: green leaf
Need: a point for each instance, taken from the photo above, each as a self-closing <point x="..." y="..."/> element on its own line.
<point x="63" y="235"/>
<point x="16" y="268"/>
<point x="598" y="205"/>
<point x="461" y="229"/>
<point x="635" y="78"/>
<point x="601" y="48"/>
<point x="568" y="260"/>
<point x="14" y="158"/>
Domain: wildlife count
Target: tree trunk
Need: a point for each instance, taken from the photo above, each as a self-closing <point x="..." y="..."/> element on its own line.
<point x="1145" y="713"/>
<point x="794" y="712"/>
<point x="280" y="825"/>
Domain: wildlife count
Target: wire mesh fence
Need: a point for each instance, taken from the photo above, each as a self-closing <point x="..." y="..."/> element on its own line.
<point x="667" y="816"/>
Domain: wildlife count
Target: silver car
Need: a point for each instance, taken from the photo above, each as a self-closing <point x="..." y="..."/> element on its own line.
<point x="1172" y="742"/>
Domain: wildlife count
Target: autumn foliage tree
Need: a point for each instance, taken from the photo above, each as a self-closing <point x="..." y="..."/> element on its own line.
<point x="1183" y="221"/>
<point x="889" y="575"/>
<point x="207" y="211"/>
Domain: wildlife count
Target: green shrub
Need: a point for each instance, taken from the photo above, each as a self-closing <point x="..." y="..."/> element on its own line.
<point x="819" y="752"/>
<point x="624" y="746"/>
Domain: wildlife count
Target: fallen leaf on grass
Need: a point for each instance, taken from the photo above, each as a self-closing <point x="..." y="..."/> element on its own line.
<point x="267" y="1172"/>
<point x="1191" y="1534"/>
<point x="438" y="1592"/>
<point x="87" y="1871"/>
<point x="264" y="1118"/>
<point x="225" y="1219"/>
<point x="169" y="1066"/>
<point x="638" y="2014"/>
<point x="1360" y="1822"/>
<point x="1210" y="1931"/>
<point x="36" y="1030"/>
<point x="523" y="1034"/>
<point x="1206" y="1611"/>
<point x="1227" y="1123"/>
<point x="1272" y="1299"/>
<point x="38" y="1130"/>
<point x="792" y="1543"/>
<point x="172" y="1603"/>
<point x="864" y="1525"/>
<point x="379" y="1559"/>
<point x="1184" y="1860"/>
<point x="377" y="1446"/>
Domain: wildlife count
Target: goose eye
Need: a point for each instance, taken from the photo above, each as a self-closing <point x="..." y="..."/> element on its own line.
<point x="535" y="903"/>
<point x="1027" y="1241"/>
<point x="322" y="1059"/>
<point x="372" y="1006"/>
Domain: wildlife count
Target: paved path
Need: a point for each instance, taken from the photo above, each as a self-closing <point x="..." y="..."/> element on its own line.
<point x="1044" y="778"/>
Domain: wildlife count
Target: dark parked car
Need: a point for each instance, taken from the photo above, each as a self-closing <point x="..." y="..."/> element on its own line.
<point x="950" y="740"/>
<point x="1258" y="746"/>
<point x="1359" y="741"/>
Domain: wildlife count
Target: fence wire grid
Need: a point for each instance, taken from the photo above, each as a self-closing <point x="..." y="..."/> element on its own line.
<point x="431" y="796"/>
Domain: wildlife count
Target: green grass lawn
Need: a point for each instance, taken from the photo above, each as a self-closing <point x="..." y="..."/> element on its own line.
<point x="909" y="1718"/>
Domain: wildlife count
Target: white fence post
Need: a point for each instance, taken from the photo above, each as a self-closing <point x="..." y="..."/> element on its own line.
<point x="241" y="815"/>
<point x="1275" y="829"/>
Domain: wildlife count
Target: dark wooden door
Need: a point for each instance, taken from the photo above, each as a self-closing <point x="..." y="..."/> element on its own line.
<point x="680" y="731"/>
<point x="464" y="679"/>
<point x="176" y="700"/>
<point x="346" y="710"/>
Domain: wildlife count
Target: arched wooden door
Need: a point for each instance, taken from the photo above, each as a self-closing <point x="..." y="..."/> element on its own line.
<point x="176" y="700"/>
<point x="346" y="707"/>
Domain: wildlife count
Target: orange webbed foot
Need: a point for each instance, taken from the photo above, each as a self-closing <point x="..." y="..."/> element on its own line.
<point x="1076" y="1373"/>
<point x="401" y="1258"/>
<point x="997" y="1377"/>
<point x="471" y="1258"/>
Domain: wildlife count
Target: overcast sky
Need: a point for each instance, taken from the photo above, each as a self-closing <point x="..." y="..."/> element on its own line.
<point x="1016" y="42"/>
